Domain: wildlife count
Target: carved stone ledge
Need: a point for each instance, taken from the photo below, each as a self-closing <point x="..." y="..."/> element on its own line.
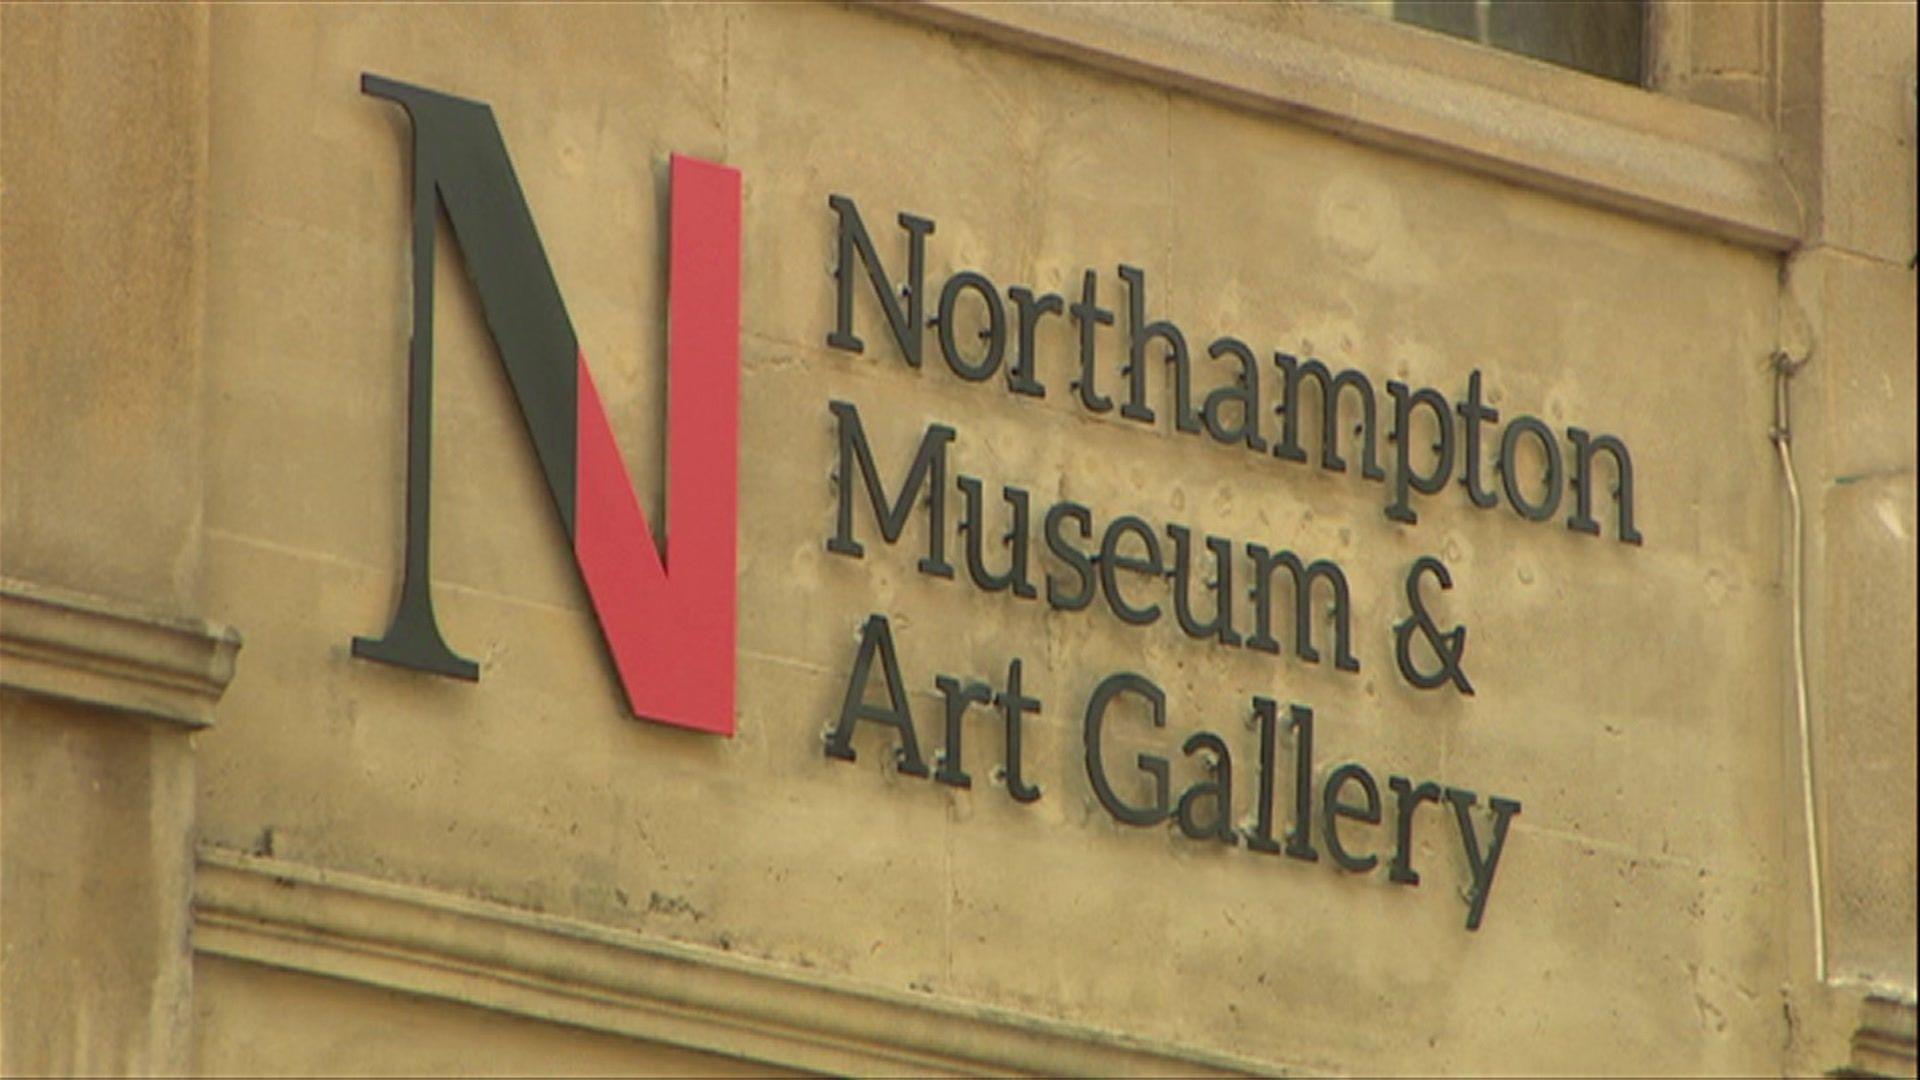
<point x="1416" y="92"/>
<point x="435" y="944"/>
<point x="106" y="653"/>
<point x="1884" y="1043"/>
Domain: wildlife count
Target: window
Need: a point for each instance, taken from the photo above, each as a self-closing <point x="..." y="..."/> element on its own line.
<point x="1603" y="37"/>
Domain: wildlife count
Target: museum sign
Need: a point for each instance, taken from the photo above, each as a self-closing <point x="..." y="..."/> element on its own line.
<point x="668" y="615"/>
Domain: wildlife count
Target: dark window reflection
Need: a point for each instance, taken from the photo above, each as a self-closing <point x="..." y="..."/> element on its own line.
<point x="1603" y="37"/>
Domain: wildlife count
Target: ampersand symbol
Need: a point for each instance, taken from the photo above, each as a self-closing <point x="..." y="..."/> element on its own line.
<point x="1448" y="646"/>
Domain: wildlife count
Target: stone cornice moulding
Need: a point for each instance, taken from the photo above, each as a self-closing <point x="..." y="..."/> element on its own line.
<point x="303" y="918"/>
<point x="1884" y="1043"/>
<point x="111" y="654"/>
<point x="1367" y="79"/>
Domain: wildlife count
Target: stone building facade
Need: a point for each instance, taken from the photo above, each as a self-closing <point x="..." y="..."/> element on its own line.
<point x="1392" y="736"/>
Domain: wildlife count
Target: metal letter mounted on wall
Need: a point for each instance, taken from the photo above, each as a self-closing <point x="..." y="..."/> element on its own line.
<point x="667" y="615"/>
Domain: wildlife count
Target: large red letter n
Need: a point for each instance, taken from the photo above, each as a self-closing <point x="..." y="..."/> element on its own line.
<point x="667" y="615"/>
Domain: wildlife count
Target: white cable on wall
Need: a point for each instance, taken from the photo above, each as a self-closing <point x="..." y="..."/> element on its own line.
<point x="1784" y="368"/>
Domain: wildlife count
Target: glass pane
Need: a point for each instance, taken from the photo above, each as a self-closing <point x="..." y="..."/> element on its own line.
<point x="1461" y="18"/>
<point x="1603" y="37"/>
